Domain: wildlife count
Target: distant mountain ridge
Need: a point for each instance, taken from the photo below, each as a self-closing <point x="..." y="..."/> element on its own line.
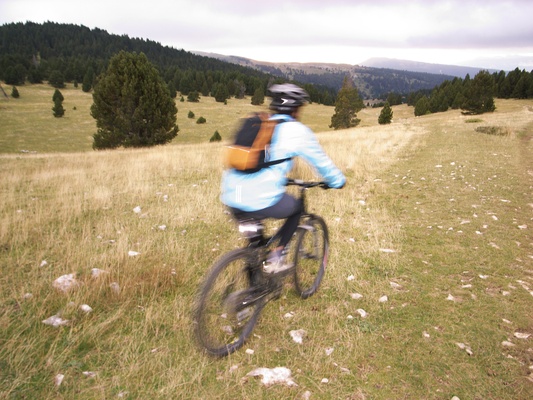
<point x="374" y="78"/>
<point x="416" y="66"/>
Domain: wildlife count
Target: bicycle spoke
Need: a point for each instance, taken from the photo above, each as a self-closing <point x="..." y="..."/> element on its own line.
<point x="310" y="256"/>
<point x="227" y="308"/>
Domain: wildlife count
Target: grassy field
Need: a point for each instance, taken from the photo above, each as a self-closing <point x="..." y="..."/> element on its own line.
<point x="28" y="125"/>
<point x="436" y="216"/>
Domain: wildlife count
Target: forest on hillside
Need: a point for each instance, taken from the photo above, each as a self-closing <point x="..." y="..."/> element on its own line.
<point x="57" y="53"/>
<point x="31" y="52"/>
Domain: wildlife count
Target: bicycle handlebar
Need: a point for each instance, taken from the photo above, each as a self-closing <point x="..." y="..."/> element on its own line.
<point x="306" y="185"/>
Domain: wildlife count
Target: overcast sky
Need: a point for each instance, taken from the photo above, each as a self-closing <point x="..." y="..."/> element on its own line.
<point x="480" y="33"/>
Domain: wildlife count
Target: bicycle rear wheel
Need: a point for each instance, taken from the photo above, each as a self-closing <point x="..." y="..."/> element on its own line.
<point x="311" y="255"/>
<point x="228" y="305"/>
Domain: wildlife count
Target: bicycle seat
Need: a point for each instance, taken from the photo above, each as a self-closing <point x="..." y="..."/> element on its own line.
<point x="251" y="227"/>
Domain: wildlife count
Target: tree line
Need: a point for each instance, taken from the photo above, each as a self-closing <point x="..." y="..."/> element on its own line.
<point x="60" y="53"/>
<point x="473" y="95"/>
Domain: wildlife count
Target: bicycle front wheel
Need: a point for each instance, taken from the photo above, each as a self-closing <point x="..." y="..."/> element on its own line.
<point x="228" y="304"/>
<point x="311" y="255"/>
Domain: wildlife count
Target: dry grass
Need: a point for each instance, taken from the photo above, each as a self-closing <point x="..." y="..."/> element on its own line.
<point x="409" y="183"/>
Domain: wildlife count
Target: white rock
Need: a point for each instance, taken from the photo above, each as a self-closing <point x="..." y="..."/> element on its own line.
<point x="350" y="278"/>
<point x="65" y="282"/>
<point x="132" y="253"/>
<point x="162" y="227"/>
<point x="44" y="263"/>
<point x="466" y="348"/>
<point x="249" y="351"/>
<point x="356" y="296"/>
<point x="28" y="296"/>
<point x="450" y="298"/>
<point x="86" y="308"/>
<point x="96" y="272"/>
<point x="324" y="380"/>
<point x="506" y="343"/>
<point x="329" y="351"/>
<point x="271" y="376"/>
<point x="89" y="374"/>
<point x="521" y="335"/>
<point x="395" y="285"/>
<point x="289" y="315"/>
<point x="55" y="321"/>
<point x="387" y="250"/>
<point x="383" y="299"/>
<point x="137" y="210"/>
<point x="362" y="313"/>
<point x="522" y="226"/>
<point x="298" y="335"/>
<point x="58" y="379"/>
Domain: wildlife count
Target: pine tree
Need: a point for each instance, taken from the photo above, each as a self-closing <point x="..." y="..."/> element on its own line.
<point x="193" y="97"/>
<point x="347" y="104"/>
<point x="385" y="117"/>
<point x="56" y="79"/>
<point x="216" y="137"/>
<point x="58" y="109"/>
<point x="57" y="95"/>
<point x="479" y="94"/>
<point x="422" y="107"/>
<point x="132" y="105"/>
<point x="259" y="97"/>
<point x="88" y="79"/>
<point x="15" y="93"/>
<point x="221" y="93"/>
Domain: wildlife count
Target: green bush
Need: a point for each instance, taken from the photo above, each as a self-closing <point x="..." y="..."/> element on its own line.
<point x="216" y="137"/>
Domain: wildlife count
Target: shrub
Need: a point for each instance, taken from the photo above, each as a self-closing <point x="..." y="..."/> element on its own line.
<point x="190" y="115"/>
<point x="201" y="120"/>
<point x="216" y="137"/>
<point x="493" y="130"/>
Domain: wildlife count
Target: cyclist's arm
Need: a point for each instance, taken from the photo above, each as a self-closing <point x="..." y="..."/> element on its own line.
<point x="312" y="152"/>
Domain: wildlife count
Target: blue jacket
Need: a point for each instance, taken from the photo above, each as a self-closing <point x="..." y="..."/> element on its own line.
<point x="262" y="189"/>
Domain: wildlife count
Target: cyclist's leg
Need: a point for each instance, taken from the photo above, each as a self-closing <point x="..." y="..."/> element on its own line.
<point x="288" y="208"/>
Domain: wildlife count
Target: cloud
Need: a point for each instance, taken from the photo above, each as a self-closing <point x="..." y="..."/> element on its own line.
<point x="305" y="29"/>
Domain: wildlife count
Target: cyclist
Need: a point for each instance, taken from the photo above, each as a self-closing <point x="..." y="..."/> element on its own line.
<point x="262" y="194"/>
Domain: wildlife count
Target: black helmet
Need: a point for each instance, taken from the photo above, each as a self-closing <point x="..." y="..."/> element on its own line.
<point x="287" y="97"/>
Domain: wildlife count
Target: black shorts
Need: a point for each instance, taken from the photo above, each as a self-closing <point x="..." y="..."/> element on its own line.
<point x="285" y="208"/>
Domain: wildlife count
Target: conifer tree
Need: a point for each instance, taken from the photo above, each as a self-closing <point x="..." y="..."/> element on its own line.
<point x="259" y="97"/>
<point x="479" y="94"/>
<point x="216" y="137"/>
<point x="422" y="106"/>
<point x="132" y="105"/>
<point x="58" y="109"/>
<point x="347" y="104"/>
<point x="385" y="117"/>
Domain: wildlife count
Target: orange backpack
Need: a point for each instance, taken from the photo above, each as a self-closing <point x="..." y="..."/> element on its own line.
<point x="250" y="145"/>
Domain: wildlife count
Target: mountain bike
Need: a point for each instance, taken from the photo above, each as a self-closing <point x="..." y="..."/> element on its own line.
<point x="236" y="289"/>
